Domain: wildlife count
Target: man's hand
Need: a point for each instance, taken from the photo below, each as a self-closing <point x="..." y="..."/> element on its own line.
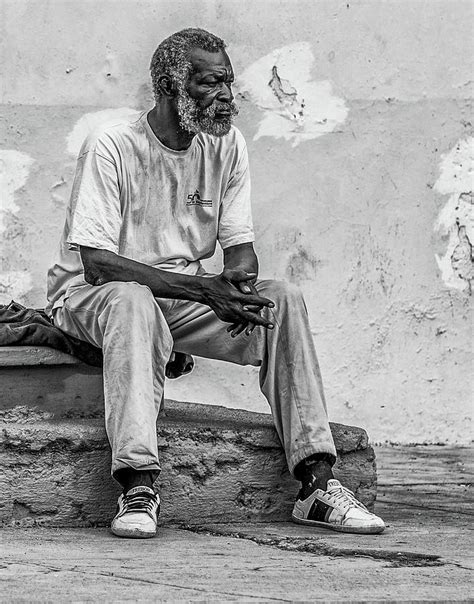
<point x="241" y="269"/>
<point x="234" y="299"/>
<point x="246" y="287"/>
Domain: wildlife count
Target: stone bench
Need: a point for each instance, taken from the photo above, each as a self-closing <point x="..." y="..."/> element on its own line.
<point x="219" y="464"/>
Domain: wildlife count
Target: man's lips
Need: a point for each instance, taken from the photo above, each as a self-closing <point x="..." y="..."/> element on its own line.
<point x="222" y="111"/>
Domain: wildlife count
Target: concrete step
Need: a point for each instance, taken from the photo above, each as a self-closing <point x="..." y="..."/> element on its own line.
<point x="219" y="464"/>
<point x="49" y="383"/>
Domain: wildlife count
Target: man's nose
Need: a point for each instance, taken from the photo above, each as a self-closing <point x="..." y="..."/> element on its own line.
<point x="225" y="93"/>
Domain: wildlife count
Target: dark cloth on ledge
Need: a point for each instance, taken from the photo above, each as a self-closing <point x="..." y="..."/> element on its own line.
<point x="20" y="326"/>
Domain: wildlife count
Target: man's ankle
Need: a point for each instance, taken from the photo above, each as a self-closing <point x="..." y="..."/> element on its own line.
<point x="314" y="473"/>
<point x="130" y="478"/>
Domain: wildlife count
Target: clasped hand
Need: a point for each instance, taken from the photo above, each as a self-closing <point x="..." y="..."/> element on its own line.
<point x="234" y="299"/>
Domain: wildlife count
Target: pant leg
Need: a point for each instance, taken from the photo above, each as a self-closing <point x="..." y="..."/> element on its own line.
<point x="290" y="377"/>
<point x="125" y="320"/>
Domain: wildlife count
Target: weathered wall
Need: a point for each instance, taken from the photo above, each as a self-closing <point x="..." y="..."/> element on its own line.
<point x="358" y="123"/>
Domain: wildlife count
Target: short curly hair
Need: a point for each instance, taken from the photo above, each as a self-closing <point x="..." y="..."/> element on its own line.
<point x="172" y="55"/>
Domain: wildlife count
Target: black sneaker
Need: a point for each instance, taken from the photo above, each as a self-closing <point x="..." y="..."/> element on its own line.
<point x="137" y="514"/>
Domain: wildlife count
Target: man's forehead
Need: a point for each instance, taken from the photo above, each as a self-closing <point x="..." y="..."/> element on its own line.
<point x="204" y="61"/>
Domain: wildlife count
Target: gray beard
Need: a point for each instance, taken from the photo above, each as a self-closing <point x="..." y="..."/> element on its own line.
<point x="195" y="120"/>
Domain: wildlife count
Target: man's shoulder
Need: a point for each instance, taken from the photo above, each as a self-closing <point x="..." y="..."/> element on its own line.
<point x="238" y="138"/>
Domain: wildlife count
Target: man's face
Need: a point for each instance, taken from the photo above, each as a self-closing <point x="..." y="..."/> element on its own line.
<point x="205" y="100"/>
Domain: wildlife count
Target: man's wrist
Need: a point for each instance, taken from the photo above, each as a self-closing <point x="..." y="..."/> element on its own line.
<point x="202" y="290"/>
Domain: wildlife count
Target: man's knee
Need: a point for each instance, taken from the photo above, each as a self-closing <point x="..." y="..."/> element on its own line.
<point x="133" y="309"/>
<point x="126" y="292"/>
<point x="130" y="298"/>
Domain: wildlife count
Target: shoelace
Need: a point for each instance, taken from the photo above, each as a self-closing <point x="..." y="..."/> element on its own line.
<point x="139" y="503"/>
<point x="343" y="495"/>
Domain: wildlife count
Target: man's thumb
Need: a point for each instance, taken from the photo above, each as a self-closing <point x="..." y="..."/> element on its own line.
<point x="237" y="275"/>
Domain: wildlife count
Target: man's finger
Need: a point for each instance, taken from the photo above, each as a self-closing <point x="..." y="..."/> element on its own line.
<point x="250" y="300"/>
<point x="252" y="308"/>
<point x="245" y="288"/>
<point x="237" y="275"/>
<point x="250" y="328"/>
<point x="238" y="330"/>
<point x="250" y="317"/>
<point x="253" y="289"/>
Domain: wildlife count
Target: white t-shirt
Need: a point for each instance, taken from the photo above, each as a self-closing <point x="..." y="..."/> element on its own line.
<point x="165" y="208"/>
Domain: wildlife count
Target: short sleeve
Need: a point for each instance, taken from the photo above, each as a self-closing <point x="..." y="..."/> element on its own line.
<point x="235" y="218"/>
<point x="95" y="213"/>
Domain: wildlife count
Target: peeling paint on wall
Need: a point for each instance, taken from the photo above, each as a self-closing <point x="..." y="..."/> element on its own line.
<point x="455" y="222"/>
<point x="295" y="107"/>
<point x="14" y="170"/>
<point x="89" y="121"/>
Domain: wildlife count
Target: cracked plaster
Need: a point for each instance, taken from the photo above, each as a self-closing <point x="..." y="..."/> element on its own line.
<point x="295" y="107"/>
<point x="455" y="222"/>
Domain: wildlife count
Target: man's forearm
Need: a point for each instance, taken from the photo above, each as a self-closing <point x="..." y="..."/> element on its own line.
<point x="220" y="292"/>
<point x="241" y="257"/>
<point x="102" y="266"/>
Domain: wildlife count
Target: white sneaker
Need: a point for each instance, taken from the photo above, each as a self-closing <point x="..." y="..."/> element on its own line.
<point x="336" y="509"/>
<point x="137" y="514"/>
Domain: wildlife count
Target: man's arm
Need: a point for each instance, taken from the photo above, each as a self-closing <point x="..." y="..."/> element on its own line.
<point x="220" y="292"/>
<point x="243" y="258"/>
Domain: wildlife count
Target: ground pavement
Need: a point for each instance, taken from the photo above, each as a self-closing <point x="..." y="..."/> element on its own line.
<point x="425" y="553"/>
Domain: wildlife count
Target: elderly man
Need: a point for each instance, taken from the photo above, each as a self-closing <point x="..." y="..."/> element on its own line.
<point x="151" y="198"/>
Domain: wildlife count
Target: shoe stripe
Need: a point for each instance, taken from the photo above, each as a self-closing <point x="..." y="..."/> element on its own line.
<point x="328" y="514"/>
<point x="319" y="511"/>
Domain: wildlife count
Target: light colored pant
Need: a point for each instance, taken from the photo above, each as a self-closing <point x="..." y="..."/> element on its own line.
<point x="138" y="332"/>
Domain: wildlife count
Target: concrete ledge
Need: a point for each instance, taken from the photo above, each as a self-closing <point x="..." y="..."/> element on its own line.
<point x="48" y="383"/>
<point x="18" y="356"/>
<point x="219" y="465"/>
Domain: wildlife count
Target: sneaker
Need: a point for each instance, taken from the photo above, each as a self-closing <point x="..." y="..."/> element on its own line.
<point x="137" y="514"/>
<point x="336" y="509"/>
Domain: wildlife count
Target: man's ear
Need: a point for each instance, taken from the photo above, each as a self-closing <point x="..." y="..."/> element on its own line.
<point x="166" y="85"/>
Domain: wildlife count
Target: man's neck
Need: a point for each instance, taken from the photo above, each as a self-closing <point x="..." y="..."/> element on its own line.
<point x="165" y="124"/>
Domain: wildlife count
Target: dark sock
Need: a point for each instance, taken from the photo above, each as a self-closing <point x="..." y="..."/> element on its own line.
<point x="130" y="478"/>
<point x="314" y="473"/>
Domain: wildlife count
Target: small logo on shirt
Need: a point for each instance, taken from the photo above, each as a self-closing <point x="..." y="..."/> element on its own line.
<point x="194" y="199"/>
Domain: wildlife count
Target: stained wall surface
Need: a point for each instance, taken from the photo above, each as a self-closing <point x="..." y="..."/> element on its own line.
<point x="358" y="121"/>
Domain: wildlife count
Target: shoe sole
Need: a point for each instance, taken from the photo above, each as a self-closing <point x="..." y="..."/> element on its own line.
<point x="367" y="530"/>
<point x="132" y="533"/>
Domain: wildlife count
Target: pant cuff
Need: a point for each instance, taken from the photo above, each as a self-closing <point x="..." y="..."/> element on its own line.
<point x="306" y="451"/>
<point x="134" y="465"/>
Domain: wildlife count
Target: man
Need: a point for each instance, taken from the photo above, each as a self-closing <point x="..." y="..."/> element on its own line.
<point x="151" y="198"/>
